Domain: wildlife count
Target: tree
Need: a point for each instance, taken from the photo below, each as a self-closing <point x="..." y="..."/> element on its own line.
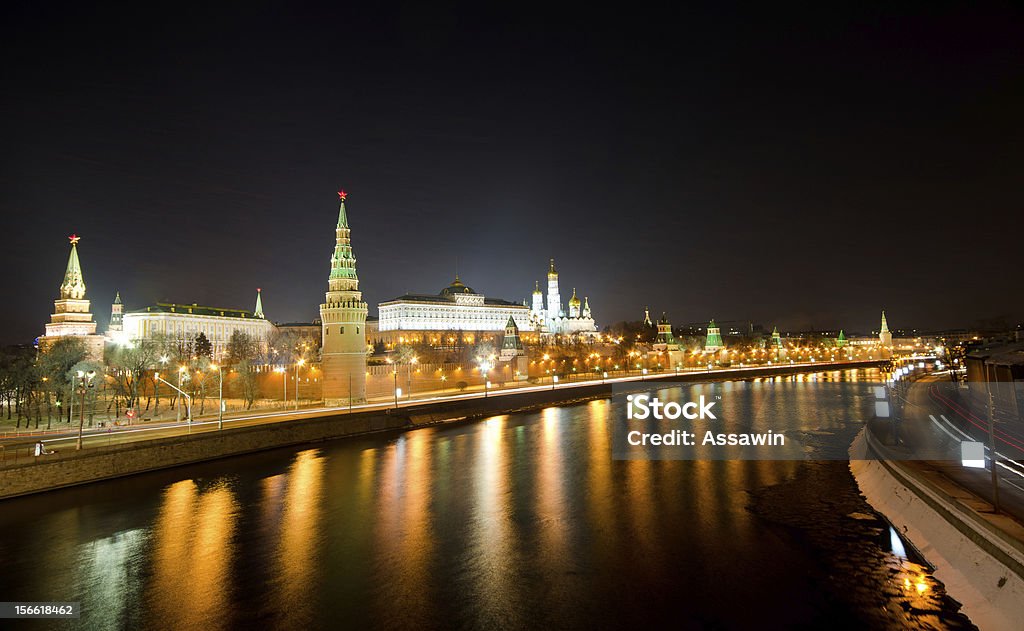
<point x="202" y="347"/>
<point x="242" y="353"/>
<point x="129" y="363"/>
<point x="56" y="364"/>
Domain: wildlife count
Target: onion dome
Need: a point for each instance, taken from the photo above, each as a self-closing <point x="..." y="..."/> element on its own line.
<point x="536" y="288"/>
<point x="574" y="301"/>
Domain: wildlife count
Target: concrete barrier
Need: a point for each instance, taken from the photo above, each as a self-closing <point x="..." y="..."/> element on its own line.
<point x="980" y="566"/>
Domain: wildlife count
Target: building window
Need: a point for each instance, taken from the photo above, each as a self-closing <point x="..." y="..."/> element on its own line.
<point x="342" y="332"/>
<point x="357" y="330"/>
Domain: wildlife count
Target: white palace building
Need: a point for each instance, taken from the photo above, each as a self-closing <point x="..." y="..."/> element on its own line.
<point x="184" y="322"/>
<point x="459" y="310"/>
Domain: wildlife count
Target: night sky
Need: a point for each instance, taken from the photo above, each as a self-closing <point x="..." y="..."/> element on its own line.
<point x="800" y="168"/>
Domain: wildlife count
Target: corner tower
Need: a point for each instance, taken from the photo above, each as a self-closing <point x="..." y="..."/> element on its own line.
<point x="343" y="317"/>
<point x="71" y="315"/>
<point x="884" y="336"/>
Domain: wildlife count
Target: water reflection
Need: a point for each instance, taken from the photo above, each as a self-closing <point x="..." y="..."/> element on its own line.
<point x="192" y="553"/>
<point x="300" y="538"/>
<point x="521" y="520"/>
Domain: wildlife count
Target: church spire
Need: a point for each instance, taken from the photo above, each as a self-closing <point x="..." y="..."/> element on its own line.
<point x="258" y="311"/>
<point x="647" y="317"/>
<point x="73" y="286"/>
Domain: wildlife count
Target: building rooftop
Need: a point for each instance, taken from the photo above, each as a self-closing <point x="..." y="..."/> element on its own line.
<point x="448" y="299"/>
<point x="195" y="309"/>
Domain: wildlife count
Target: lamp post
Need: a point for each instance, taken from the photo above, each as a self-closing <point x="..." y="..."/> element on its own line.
<point x="181" y="373"/>
<point x="220" y="402"/>
<point x="398" y="391"/>
<point x="284" y="382"/>
<point x="182" y="393"/>
<point x="81" y="413"/>
<point x="300" y="362"/>
<point x="485" y="369"/>
<point x="554" y="381"/>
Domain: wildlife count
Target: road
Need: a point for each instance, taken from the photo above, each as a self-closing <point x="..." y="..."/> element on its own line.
<point x="20" y="448"/>
<point x="936" y="421"/>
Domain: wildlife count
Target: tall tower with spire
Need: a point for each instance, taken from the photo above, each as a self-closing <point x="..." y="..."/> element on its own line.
<point x="258" y="311"/>
<point x="343" y="318"/>
<point x="116" y="314"/>
<point x="554" y="300"/>
<point x="884" y="336"/>
<point x="71" y="315"/>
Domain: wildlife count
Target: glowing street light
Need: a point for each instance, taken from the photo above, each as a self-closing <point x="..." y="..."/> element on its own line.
<point x="300" y="362"/>
<point x="220" y="402"/>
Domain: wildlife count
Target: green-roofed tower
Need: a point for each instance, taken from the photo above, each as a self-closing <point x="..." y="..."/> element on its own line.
<point x="258" y="311"/>
<point x="884" y="336"/>
<point x="776" y="338"/>
<point x="841" y="340"/>
<point x="714" y="338"/>
<point x="71" y="315"/>
<point x="665" y="331"/>
<point x="343" y="318"/>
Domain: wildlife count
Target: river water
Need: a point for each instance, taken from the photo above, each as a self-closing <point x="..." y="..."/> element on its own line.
<point x="517" y="521"/>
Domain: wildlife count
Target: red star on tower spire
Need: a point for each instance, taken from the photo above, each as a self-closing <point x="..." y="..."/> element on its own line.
<point x="342" y="194"/>
<point x="74" y="238"/>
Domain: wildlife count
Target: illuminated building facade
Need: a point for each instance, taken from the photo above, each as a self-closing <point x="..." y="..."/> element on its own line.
<point x="457" y="311"/>
<point x="183" y="322"/>
<point x="553" y="319"/>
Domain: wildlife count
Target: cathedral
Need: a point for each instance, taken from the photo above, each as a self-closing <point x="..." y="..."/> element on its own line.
<point x="554" y="320"/>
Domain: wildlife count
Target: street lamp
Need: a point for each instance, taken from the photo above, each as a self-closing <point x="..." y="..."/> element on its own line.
<point x="181" y="373"/>
<point x="284" y="382"/>
<point x="485" y="369"/>
<point x="81" y="413"/>
<point x="554" y="381"/>
<point x="301" y="362"/>
<point x="181" y="392"/>
<point x="220" y="403"/>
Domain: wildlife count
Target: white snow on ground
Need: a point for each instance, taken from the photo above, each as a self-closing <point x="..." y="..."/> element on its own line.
<point x="992" y="596"/>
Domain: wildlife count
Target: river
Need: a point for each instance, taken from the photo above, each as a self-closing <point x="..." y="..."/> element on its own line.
<point x="517" y="521"/>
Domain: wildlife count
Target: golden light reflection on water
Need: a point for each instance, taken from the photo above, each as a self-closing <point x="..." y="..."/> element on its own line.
<point x="550" y="484"/>
<point x="300" y="537"/>
<point x="192" y="551"/>
<point x="492" y="549"/>
<point x="405" y="528"/>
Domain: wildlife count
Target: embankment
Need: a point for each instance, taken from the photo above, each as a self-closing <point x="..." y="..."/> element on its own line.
<point x="70" y="468"/>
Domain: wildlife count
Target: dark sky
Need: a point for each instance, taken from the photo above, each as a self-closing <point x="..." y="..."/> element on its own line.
<point x="800" y="168"/>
